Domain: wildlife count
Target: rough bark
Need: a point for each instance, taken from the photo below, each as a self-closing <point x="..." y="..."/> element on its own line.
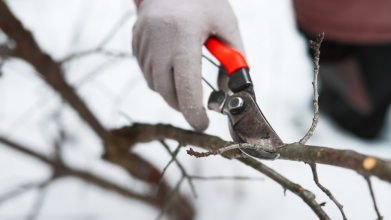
<point x="142" y="133"/>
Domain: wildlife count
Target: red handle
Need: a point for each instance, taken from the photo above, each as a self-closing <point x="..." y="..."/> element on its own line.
<point x="228" y="57"/>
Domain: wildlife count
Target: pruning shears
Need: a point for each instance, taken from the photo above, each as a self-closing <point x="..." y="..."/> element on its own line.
<point x="247" y="124"/>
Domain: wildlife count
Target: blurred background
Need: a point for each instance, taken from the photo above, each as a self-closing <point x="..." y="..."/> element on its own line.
<point x="113" y="87"/>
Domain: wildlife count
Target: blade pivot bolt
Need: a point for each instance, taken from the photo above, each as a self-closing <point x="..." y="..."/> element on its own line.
<point x="236" y="105"/>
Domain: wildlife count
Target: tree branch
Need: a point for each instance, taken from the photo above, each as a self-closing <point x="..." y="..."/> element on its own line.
<point x="142" y="133"/>
<point x="20" y="190"/>
<point x="28" y="50"/>
<point x="363" y="164"/>
<point x="325" y="190"/>
<point x="379" y="217"/>
<point x="316" y="47"/>
<point x="171" y="198"/>
<point x="307" y="196"/>
<point x="118" y="141"/>
<point x="253" y="147"/>
<point x="61" y="170"/>
<point x="173" y="155"/>
<point x="184" y="173"/>
<point x="226" y="178"/>
<point x="100" y="49"/>
<point x="39" y="201"/>
<point x="95" y="51"/>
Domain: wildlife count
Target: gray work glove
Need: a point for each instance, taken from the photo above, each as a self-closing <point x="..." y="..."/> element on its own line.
<point x="167" y="40"/>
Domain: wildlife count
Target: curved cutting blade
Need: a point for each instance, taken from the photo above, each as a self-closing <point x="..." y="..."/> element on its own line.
<point x="250" y="125"/>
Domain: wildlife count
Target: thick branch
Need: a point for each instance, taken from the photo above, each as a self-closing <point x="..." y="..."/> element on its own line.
<point x="142" y="133"/>
<point x="363" y="164"/>
<point x="5" y="51"/>
<point x="28" y="50"/>
<point x="184" y="212"/>
<point x="65" y="171"/>
<point x="370" y="166"/>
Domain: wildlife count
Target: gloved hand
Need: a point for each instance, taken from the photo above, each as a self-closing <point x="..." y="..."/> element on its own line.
<point x="167" y="41"/>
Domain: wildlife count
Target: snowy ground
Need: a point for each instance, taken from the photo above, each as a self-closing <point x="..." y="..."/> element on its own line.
<point x="281" y="71"/>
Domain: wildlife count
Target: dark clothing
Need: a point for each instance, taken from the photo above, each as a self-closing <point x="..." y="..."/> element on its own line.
<point x="346" y="21"/>
<point x="355" y="85"/>
<point x="355" y="60"/>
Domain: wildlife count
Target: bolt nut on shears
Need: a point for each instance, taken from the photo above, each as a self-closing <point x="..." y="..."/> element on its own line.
<point x="236" y="105"/>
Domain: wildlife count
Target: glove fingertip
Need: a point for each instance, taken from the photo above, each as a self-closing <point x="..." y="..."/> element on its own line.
<point x="199" y="120"/>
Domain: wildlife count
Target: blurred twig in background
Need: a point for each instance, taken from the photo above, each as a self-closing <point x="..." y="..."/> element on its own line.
<point x="28" y="50"/>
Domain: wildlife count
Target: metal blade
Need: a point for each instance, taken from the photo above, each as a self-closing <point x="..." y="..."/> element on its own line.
<point x="250" y="125"/>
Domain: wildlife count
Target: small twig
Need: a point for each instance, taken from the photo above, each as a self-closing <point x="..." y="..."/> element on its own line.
<point x="19" y="190"/>
<point x="379" y="217"/>
<point x="39" y="201"/>
<point x="191" y="152"/>
<point x="173" y="157"/>
<point x="95" y="72"/>
<point x="95" y="51"/>
<point x="170" y="200"/>
<point x="307" y="196"/>
<point x="316" y="47"/>
<point x="328" y="193"/>
<point x="184" y="173"/>
<point x="99" y="49"/>
<point x="226" y="178"/>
